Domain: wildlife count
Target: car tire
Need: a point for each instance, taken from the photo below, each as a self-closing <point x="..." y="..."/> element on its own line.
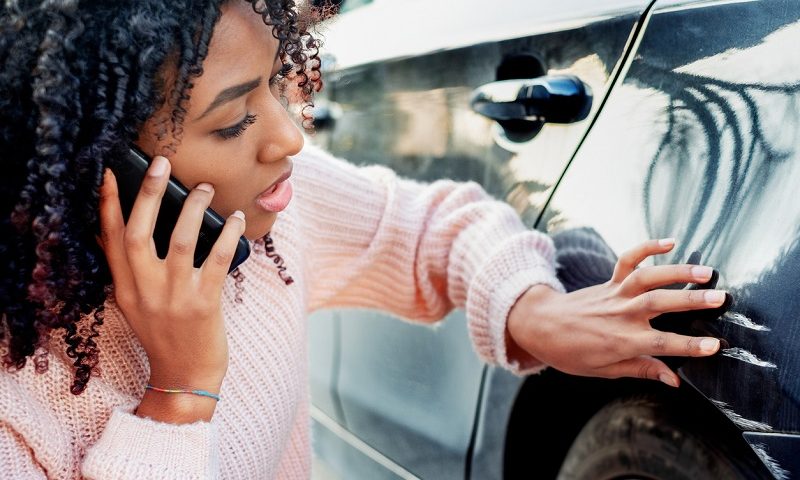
<point x="643" y="438"/>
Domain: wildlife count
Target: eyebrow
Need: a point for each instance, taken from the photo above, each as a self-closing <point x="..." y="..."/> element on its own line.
<point x="231" y="93"/>
<point x="236" y="91"/>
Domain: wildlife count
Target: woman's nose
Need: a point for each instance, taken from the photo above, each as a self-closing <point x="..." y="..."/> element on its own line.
<point x="282" y="137"/>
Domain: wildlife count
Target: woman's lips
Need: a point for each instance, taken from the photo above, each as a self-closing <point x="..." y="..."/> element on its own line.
<point x="276" y="198"/>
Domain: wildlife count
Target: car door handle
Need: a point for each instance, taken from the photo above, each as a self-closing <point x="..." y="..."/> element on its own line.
<point x="552" y="98"/>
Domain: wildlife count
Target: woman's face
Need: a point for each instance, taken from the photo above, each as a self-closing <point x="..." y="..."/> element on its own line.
<point x="237" y="135"/>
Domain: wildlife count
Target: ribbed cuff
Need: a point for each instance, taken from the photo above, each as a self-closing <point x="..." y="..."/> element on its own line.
<point x="132" y="447"/>
<point x="522" y="262"/>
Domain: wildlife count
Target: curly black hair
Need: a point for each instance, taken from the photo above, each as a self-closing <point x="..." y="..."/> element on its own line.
<point x="78" y="81"/>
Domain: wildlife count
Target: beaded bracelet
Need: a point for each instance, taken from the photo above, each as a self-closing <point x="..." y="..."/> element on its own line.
<point x="202" y="393"/>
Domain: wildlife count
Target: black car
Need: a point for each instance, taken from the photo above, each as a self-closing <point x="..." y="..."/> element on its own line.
<point x="604" y="123"/>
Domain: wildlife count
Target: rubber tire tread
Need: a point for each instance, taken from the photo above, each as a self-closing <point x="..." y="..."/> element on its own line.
<point x="643" y="438"/>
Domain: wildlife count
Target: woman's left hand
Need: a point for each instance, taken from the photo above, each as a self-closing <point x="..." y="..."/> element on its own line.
<point x="604" y="330"/>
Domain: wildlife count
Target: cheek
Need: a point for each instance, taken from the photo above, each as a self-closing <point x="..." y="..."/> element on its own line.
<point x="231" y="182"/>
<point x="231" y="168"/>
<point x="205" y="161"/>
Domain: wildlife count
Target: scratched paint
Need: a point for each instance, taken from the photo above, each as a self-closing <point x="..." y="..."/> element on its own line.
<point x="773" y="466"/>
<point x="742" y="321"/>
<point x="745" y="356"/>
<point x="741" y="422"/>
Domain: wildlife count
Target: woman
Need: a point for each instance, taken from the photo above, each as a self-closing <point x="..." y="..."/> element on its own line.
<point x="116" y="358"/>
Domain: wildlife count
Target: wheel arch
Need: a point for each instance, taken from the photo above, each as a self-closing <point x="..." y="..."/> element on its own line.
<point x="551" y="409"/>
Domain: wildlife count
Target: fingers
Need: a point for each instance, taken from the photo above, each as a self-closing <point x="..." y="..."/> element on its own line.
<point x="628" y="262"/>
<point x="142" y="221"/>
<point x="665" y="344"/>
<point x="184" y="236"/>
<point x="649" y="278"/>
<point x="645" y="367"/>
<point x="655" y="302"/>
<point x="215" y="268"/>
<point x="112" y="231"/>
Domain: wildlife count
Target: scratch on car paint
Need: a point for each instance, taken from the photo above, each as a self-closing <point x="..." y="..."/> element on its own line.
<point x="741" y="422"/>
<point x="772" y="465"/>
<point x="745" y="356"/>
<point x="742" y="321"/>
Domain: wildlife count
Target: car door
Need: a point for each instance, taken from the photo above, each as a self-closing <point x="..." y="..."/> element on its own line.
<point x="403" y="75"/>
<point x="701" y="141"/>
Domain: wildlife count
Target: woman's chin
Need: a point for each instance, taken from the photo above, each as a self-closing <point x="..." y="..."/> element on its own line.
<point x="257" y="228"/>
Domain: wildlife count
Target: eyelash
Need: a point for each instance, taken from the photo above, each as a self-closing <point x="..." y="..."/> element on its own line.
<point x="239" y="128"/>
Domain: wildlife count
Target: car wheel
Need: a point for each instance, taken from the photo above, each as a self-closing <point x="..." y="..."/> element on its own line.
<point x="643" y="438"/>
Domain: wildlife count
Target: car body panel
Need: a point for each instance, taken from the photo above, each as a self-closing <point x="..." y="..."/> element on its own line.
<point x="410" y="391"/>
<point x="499" y="393"/>
<point x="323" y="341"/>
<point x="778" y="451"/>
<point x="700" y="142"/>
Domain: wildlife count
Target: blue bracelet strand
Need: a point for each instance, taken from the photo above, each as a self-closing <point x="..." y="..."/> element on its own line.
<point x="202" y="393"/>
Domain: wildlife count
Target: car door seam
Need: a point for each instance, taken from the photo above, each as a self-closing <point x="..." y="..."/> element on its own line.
<point x="623" y="66"/>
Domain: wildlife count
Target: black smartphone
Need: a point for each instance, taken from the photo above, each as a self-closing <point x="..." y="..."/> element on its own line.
<point x="130" y="172"/>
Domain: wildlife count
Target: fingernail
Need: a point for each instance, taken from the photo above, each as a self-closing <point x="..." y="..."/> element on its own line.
<point x="702" y="273"/>
<point x="668" y="379"/>
<point x="666" y="242"/>
<point x="714" y="297"/>
<point x="238" y="214"/>
<point x="205" y="187"/>
<point x="158" y="166"/>
<point x="709" y="345"/>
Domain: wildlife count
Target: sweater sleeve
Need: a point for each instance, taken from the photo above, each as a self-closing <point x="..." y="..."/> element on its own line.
<point x="132" y="447"/>
<point x="16" y="457"/>
<point x="418" y="250"/>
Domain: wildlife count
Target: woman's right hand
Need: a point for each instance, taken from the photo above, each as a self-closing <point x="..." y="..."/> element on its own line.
<point x="173" y="308"/>
<point x="604" y="330"/>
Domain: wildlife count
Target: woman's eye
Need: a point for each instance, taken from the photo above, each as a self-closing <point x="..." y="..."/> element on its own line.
<point x="238" y="129"/>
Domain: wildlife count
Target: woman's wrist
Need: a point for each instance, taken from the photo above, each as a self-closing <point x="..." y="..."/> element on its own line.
<point x="521" y="315"/>
<point x="182" y="406"/>
<point x="177" y="408"/>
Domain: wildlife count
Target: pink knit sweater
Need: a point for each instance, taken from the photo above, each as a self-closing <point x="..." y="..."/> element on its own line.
<point x="355" y="237"/>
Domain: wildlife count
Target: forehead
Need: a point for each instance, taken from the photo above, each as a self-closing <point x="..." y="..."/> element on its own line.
<point x="238" y="28"/>
<point x="242" y="48"/>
